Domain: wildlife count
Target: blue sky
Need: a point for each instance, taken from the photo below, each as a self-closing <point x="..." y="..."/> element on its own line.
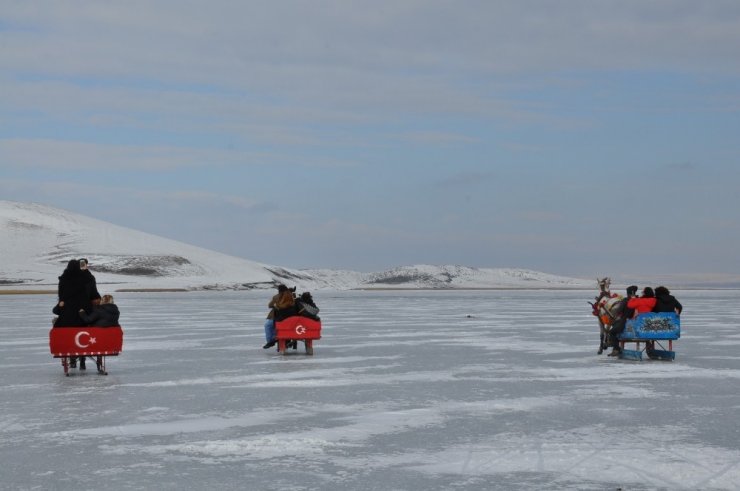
<point x="575" y="137"/>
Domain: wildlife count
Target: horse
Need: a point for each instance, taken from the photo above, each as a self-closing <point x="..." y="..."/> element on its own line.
<point x="605" y="308"/>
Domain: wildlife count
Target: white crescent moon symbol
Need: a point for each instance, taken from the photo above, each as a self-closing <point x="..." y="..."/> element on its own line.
<point x="299" y="329"/>
<point x="77" y="339"/>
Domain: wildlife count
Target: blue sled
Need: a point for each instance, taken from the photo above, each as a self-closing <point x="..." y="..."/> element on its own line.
<point x="659" y="325"/>
<point x="655" y="327"/>
<point x="630" y="354"/>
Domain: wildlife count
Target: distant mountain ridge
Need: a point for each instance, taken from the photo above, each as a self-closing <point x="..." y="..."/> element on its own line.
<point x="38" y="240"/>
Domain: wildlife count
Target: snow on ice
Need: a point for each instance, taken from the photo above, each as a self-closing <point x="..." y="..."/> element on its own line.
<point x="405" y="391"/>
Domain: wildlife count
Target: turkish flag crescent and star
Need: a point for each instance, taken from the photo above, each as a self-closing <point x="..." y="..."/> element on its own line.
<point x="297" y="327"/>
<point x="73" y="341"/>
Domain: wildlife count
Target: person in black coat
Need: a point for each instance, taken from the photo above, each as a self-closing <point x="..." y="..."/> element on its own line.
<point x="92" y="285"/>
<point x="104" y="315"/>
<point x="73" y="295"/>
<point x="665" y="302"/>
<point x="307" y="307"/>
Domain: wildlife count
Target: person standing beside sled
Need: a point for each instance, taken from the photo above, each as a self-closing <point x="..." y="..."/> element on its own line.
<point x="282" y="301"/>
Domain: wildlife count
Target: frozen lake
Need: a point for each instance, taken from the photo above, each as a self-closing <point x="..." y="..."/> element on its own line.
<point x="403" y="392"/>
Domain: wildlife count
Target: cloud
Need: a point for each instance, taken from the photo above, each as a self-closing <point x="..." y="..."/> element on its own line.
<point x="438" y="138"/>
<point x="61" y="155"/>
<point x="465" y="179"/>
<point x="682" y="166"/>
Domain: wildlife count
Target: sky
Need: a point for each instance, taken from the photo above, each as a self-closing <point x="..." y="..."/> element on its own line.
<point x="580" y="138"/>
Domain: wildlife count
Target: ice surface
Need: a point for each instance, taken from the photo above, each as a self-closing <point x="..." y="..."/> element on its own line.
<point x="405" y="391"/>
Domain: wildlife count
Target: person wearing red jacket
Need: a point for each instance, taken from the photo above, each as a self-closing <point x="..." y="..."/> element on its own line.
<point x="643" y="304"/>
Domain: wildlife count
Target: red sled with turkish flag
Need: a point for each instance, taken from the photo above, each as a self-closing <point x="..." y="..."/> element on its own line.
<point x="71" y="343"/>
<point x="297" y="328"/>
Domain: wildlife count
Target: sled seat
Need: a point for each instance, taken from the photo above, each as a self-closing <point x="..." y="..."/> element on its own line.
<point x="297" y="328"/>
<point x="650" y="329"/>
<point x="68" y="342"/>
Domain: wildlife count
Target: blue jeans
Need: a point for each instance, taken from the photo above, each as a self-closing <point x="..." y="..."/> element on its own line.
<point x="269" y="330"/>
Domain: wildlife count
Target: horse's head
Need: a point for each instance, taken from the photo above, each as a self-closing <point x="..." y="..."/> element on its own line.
<point x="604" y="284"/>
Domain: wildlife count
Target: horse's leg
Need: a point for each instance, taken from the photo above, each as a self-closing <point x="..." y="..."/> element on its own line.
<point x="602" y="334"/>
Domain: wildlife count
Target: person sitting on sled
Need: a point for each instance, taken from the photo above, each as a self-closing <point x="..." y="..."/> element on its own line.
<point x="645" y="303"/>
<point x="665" y="302"/>
<point x="306" y="307"/>
<point x="281" y="304"/>
<point x="623" y="312"/>
<point x="104" y="315"/>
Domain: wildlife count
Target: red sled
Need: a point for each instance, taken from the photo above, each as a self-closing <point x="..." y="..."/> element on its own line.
<point x="297" y="328"/>
<point x="68" y="343"/>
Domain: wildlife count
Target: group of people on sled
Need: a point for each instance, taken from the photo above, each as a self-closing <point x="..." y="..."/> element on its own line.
<point x="80" y="304"/>
<point x="285" y="303"/>
<point x="658" y="300"/>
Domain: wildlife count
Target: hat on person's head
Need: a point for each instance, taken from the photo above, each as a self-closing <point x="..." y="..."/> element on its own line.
<point x="631" y="290"/>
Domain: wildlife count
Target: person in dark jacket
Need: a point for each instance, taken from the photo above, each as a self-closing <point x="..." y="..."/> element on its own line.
<point x="92" y="285"/>
<point x="665" y="302"/>
<point x="73" y="296"/>
<point x="624" y="313"/>
<point x="104" y="315"/>
<point x="307" y="307"/>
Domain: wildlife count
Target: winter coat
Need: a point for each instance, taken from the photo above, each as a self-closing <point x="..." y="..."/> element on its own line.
<point x="641" y="304"/>
<point x="73" y="291"/>
<point x="105" y="315"/>
<point x="91" y="285"/>
<point x="623" y="311"/>
<point x="307" y="309"/>
<point x="284" y="305"/>
<point x="667" y="303"/>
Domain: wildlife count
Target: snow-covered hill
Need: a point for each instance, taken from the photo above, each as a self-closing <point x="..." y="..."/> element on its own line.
<point x="37" y="241"/>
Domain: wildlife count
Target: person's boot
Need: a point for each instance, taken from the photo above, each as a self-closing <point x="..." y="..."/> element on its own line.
<point x="269" y="345"/>
<point x="82" y="363"/>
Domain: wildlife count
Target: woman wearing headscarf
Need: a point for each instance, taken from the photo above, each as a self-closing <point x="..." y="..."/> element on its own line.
<point x="74" y="295"/>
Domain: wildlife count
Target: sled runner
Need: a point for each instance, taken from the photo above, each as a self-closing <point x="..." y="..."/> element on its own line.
<point x="297" y="328"/>
<point x="651" y="329"/>
<point x="71" y="342"/>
